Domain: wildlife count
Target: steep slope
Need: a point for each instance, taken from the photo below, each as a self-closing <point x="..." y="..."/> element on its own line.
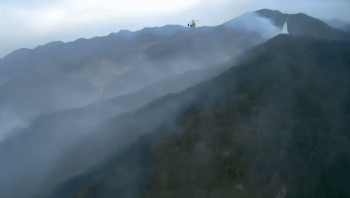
<point x="277" y="124"/>
<point x="173" y="84"/>
<point x="302" y="24"/>
<point x="39" y="145"/>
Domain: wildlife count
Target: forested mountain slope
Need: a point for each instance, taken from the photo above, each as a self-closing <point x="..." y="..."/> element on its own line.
<point x="275" y="125"/>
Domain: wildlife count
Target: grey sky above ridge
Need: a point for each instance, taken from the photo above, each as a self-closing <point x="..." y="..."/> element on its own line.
<point x="27" y="24"/>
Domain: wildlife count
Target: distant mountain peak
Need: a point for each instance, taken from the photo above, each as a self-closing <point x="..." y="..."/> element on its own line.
<point x="336" y="22"/>
<point x="269" y="11"/>
<point x="124" y="31"/>
<point x="17" y="52"/>
<point x="51" y="44"/>
<point x="303" y="24"/>
<point x="346" y="28"/>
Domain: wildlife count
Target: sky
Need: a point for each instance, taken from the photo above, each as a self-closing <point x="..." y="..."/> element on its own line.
<point x="27" y="24"/>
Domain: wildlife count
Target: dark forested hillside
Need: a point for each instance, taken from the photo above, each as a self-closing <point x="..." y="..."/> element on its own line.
<point x="275" y="125"/>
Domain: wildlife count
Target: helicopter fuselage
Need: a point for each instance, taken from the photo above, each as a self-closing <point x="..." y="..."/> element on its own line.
<point x="192" y="23"/>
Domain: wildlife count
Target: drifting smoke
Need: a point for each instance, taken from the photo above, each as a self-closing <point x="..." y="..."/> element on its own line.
<point x="8" y="122"/>
<point x="70" y="99"/>
<point x="252" y="22"/>
<point x="285" y="28"/>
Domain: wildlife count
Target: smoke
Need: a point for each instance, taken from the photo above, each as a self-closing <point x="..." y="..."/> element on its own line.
<point x="68" y="108"/>
<point x="9" y="121"/>
<point x="276" y="103"/>
<point x="36" y="148"/>
<point x="252" y="22"/>
<point x="285" y="28"/>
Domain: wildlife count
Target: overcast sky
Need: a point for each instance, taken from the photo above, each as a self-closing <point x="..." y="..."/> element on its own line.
<point x="29" y="23"/>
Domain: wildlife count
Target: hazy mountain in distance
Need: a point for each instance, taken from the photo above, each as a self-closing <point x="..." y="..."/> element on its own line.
<point x="346" y="28"/>
<point x="336" y="23"/>
<point x="302" y="24"/>
<point x="276" y="124"/>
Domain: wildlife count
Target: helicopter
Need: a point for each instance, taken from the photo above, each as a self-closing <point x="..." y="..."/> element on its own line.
<point x="192" y="23"/>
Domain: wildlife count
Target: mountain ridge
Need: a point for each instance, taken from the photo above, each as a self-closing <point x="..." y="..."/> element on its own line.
<point x="276" y="16"/>
<point x="121" y="32"/>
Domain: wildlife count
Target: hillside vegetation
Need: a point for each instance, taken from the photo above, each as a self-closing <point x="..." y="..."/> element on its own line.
<point x="275" y="125"/>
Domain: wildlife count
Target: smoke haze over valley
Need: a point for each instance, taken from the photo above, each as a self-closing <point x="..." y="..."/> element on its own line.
<point x="72" y="75"/>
